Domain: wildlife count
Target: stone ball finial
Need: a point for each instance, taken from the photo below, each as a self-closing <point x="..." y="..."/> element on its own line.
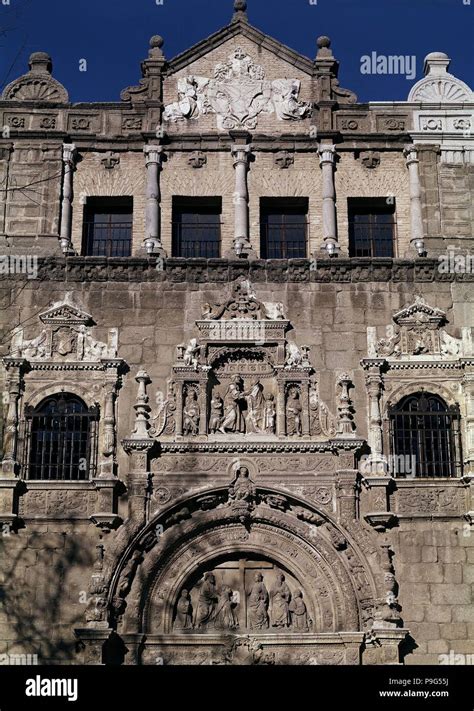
<point x="323" y="41"/>
<point x="156" y="42"/>
<point x="40" y="62"/>
<point x="436" y="63"/>
<point x="240" y="5"/>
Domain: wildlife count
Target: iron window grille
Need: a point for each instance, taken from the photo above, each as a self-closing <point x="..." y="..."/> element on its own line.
<point x="107" y="227"/>
<point x="372" y="228"/>
<point x="283" y="228"/>
<point x="425" y="437"/>
<point x="196" y="227"/>
<point x="59" y="440"/>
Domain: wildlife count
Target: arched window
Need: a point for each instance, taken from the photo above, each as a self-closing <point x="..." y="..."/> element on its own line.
<point x="425" y="437"/>
<point x="61" y="439"/>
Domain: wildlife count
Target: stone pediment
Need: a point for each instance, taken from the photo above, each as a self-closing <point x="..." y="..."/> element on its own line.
<point x="417" y="332"/>
<point x="65" y="313"/>
<point x="65" y="338"/>
<point x="37" y="84"/>
<point x="420" y="312"/>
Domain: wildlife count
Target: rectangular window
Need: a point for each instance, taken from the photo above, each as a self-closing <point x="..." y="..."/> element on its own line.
<point x="283" y="228"/>
<point x="197" y="227"/>
<point x="371" y="227"/>
<point x="108" y="227"/>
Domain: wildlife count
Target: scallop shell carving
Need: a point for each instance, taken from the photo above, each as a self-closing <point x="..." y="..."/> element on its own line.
<point x="28" y="89"/>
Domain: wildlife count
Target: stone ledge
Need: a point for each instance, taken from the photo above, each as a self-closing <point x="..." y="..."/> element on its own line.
<point x="179" y="270"/>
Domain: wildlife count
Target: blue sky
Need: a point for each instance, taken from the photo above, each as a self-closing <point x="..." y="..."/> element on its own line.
<point x="112" y="35"/>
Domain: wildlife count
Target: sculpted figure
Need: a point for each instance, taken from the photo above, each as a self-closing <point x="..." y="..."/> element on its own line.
<point x="191" y="414"/>
<point x="258" y="604"/>
<point x="280" y="596"/>
<point x="242" y="489"/>
<point x="184" y="618"/>
<point x="293" y="357"/>
<point x="233" y="417"/>
<point x="207" y="601"/>
<point x="293" y="413"/>
<point x="255" y="405"/>
<point x="225" y="618"/>
<point x="217" y="413"/>
<point x="298" y="612"/>
<point x="269" y="417"/>
<point x="191" y="353"/>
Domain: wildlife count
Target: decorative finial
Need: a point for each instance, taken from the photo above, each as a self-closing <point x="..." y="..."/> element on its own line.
<point x="324" y="44"/>
<point x="156" y="43"/>
<point x="40" y="63"/>
<point x="323" y="41"/>
<point x="240" y="10"/>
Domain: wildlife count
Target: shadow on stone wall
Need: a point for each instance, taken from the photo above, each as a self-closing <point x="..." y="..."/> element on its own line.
<point x="38" y="611"/>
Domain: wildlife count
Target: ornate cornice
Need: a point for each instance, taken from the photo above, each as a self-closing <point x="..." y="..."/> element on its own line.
<point x="246" y="447"/>
<point x="133" y="269"/>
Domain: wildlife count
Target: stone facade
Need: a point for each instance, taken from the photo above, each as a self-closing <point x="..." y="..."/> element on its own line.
<point x="242" y="508"/>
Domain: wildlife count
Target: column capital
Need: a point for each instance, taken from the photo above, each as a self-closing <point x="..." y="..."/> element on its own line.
<point x="241" y="153"/>
<point x="327" y="153"/>
<point x="153" y="154"/>
<point x="69" y="154"/>
<point x="411" y="154"/>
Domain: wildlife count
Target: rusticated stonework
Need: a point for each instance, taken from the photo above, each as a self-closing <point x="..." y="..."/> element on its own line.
<point x="241" y="502"/>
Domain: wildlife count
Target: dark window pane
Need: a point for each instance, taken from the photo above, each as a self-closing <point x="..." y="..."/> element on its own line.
<point x="283" y="228"/>
<point x="108" y="227"/>
<point x="196" y="227"/>
<point x="371" y="227"/>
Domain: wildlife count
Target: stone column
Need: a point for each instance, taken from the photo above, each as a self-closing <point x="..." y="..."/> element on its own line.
<point x="417" y="238"/>
<point x="153" y="162"/>
<point x="69" y="156"/>
<point x="9" y="469"/>
<point x="305" y="422"/>
<point x="241" y="154"/>
<point x="281" y="410"/>
<point x="375" y="463"/>
<point x="138" y="447"/>
<point x="327" y="158"/>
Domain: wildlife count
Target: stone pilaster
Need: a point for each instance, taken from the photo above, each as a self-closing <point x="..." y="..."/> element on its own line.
<point x="375" y="463"/>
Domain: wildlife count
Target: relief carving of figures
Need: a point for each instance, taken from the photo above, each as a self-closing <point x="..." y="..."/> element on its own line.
<point x="293" y="412"/>
<point x="207" y="601"/>
<point x="280" y="597"/>
<point x="269" y="416"/>
<point x="225" y="618"/>
<point x="164" y="420"/>
<point x="184" y="612"/>
<point x="191" y="353"/>
<point x="242" y="489"/>
<point x="238" y="93"/>
<point x="233" y="415"/>
<point x="191" y="100"/>
<point x="285" y="99"/>
<point x="298" y="613"/>
<point x="191" y="413"/>
<point x="257" y="604"/>
<point x="37" y="347"/>
<point x="321" y="420"/>
<point x="216" y="414"/>
<point x="255" y="407"/>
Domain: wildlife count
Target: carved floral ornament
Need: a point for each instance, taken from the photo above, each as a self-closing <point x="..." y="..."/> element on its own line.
<point x="418" y="331"/>
<point x="238" y="94"/>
